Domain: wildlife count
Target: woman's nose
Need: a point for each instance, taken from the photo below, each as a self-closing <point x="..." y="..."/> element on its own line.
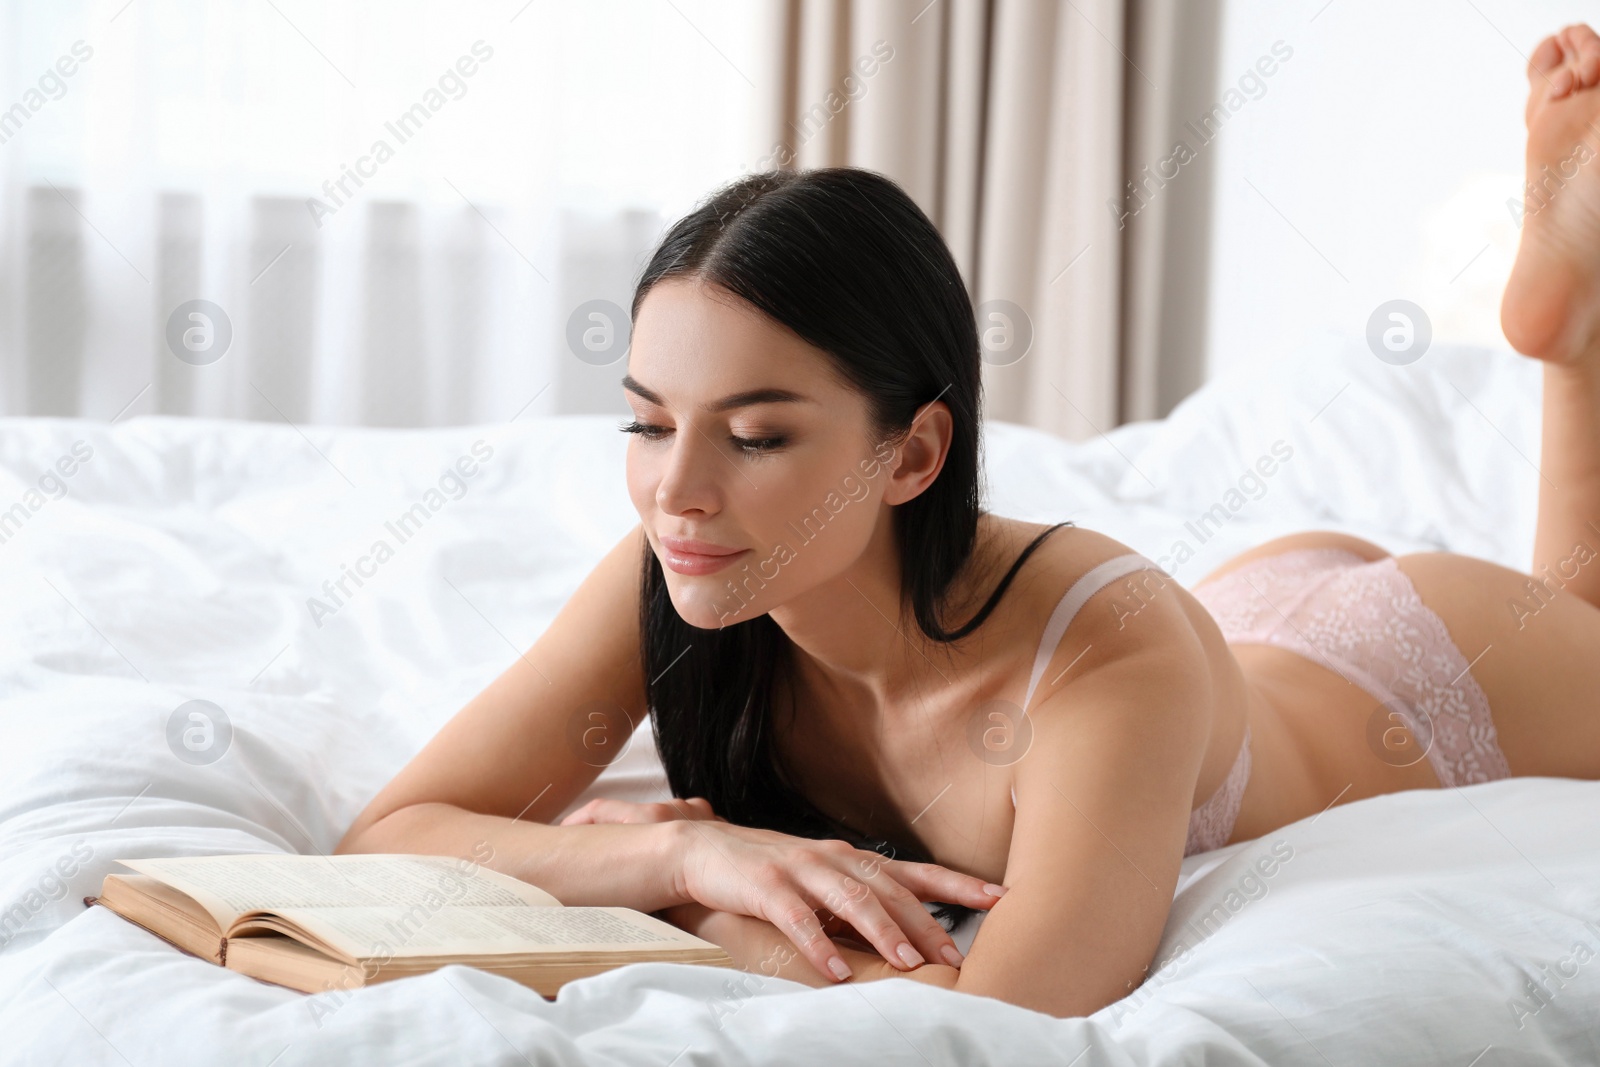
<point x="688" y="475"/>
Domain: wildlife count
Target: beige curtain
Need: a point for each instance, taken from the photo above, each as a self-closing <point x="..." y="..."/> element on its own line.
<point x="1016" y="125"/>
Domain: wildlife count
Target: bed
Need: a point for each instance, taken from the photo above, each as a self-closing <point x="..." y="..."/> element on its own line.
<point x="158" y="561"/>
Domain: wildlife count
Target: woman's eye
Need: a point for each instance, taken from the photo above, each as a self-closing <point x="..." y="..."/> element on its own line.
<point x="643" y="429"/>
<point x="750" y="446"/>
<point x="755" y="446"/>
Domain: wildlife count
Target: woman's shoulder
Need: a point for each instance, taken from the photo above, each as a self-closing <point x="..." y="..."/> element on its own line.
<point x="1091" y="606"/>
<point x="1078" y="579"/>
<point x="1067" y="555"/>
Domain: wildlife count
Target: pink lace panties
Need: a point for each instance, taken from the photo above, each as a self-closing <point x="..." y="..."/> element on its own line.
<point x="1364" y="621"/>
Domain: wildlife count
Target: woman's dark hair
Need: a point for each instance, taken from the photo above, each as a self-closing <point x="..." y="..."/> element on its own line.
<point x="846" y="260"/>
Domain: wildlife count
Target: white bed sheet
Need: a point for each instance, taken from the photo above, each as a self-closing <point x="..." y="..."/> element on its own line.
<point x="178" y="564"/>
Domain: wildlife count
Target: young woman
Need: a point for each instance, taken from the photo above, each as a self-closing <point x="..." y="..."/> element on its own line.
<point x="849" y="663"/>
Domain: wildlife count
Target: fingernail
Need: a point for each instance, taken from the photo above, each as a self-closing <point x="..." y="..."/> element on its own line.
<point x="911" y="956"/>
<point x="952" y="955"/>
<point x="994" y="890"/>
<point x="840" y="969"/>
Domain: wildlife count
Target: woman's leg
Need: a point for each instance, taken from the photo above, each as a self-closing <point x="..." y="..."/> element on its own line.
<point x="1534" y="643"/>
<point x="1551" y="306"/>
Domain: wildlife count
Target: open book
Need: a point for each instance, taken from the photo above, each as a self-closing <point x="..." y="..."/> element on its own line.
<point x="318" y="923"/>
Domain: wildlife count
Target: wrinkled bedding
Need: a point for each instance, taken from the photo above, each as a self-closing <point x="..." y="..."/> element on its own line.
<point x="159" y="561"/>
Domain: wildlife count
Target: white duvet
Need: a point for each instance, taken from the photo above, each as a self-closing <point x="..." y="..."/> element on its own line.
<point x="160" y="561"/>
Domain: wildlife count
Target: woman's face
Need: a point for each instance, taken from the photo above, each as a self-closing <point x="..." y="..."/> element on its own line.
<point x="750" y="445"/>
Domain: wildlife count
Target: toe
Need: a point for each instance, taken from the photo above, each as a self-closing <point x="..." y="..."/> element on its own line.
<point x="1571" y="36"/>
<point x="1580" y="46"/>
<point x="1588" y="55"/>
<point x="1562" y="82"/>
<point x="1589" y="69"/>
<point x="1546" y="58"/>
<point x="1581" y="36"/>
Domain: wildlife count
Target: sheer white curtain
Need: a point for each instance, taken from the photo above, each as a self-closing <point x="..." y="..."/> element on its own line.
<point x="394" y="208"/>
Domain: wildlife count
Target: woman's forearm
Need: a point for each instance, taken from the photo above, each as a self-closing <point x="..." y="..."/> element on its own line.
<point x="630" y="865"/>
<point x="755" y="944"/>
<point x="612" y="865"/>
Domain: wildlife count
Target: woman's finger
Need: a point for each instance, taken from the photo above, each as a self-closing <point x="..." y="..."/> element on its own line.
<point x="585" y="814"/>
<point x="841" y="931"/>
<point x="611" y="810"/>
<point x="852" y="900"/>
<point x="904" y="902"/>
<point x="931" y="882"/>
<point x="834" y="926"/>
<point x="931" y="940"/>
<point x="698" y="807"/>
<point x="786" y="910"/>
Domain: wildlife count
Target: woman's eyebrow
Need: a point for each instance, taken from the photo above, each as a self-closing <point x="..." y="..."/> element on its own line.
<point x="727" y="403"/>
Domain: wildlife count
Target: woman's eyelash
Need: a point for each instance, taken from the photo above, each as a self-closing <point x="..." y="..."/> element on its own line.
<point x="757" y="445"/>
<point x="750" y="445"/>
<point x="644" y="430"/>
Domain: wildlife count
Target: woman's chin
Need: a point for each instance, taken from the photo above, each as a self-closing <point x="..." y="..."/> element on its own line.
<point x="711" y="612"/>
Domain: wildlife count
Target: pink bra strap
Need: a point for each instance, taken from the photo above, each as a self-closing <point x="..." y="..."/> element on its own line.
<point x="1092" y="581"/>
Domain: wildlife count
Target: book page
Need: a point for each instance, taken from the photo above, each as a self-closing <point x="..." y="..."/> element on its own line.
<point x="391" y="932"/>
<point x="229" y="886"/>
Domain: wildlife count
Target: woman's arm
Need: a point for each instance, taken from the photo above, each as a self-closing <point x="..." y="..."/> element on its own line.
<point x="495" y="776"/>
<point x="610" y="865"/>
<point x="516" y="755"/>
<point x="1103" y="800"/>
<point x="759" y="947"/>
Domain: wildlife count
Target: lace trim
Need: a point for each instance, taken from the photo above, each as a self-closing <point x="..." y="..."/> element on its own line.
<point x="1212" y="822"/>
<point x="1364" y="620"/>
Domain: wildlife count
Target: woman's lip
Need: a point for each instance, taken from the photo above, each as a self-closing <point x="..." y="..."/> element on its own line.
<point x="685" y="546"/>
<point x="693" y="563"/>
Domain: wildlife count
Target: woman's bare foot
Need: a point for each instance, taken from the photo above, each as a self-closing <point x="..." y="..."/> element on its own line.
<point x="1551" y="306"/>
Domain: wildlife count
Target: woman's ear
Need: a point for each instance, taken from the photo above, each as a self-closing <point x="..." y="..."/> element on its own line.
<point x="920" y="456"/>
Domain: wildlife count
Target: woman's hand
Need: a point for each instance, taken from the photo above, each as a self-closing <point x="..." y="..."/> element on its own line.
<point x="606" y="810"/>
<point x="840" y="930"/>
<point x="786" y="880"/>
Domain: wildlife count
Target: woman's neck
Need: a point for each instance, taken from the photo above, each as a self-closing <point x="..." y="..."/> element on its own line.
<point x="852" y="651"/>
